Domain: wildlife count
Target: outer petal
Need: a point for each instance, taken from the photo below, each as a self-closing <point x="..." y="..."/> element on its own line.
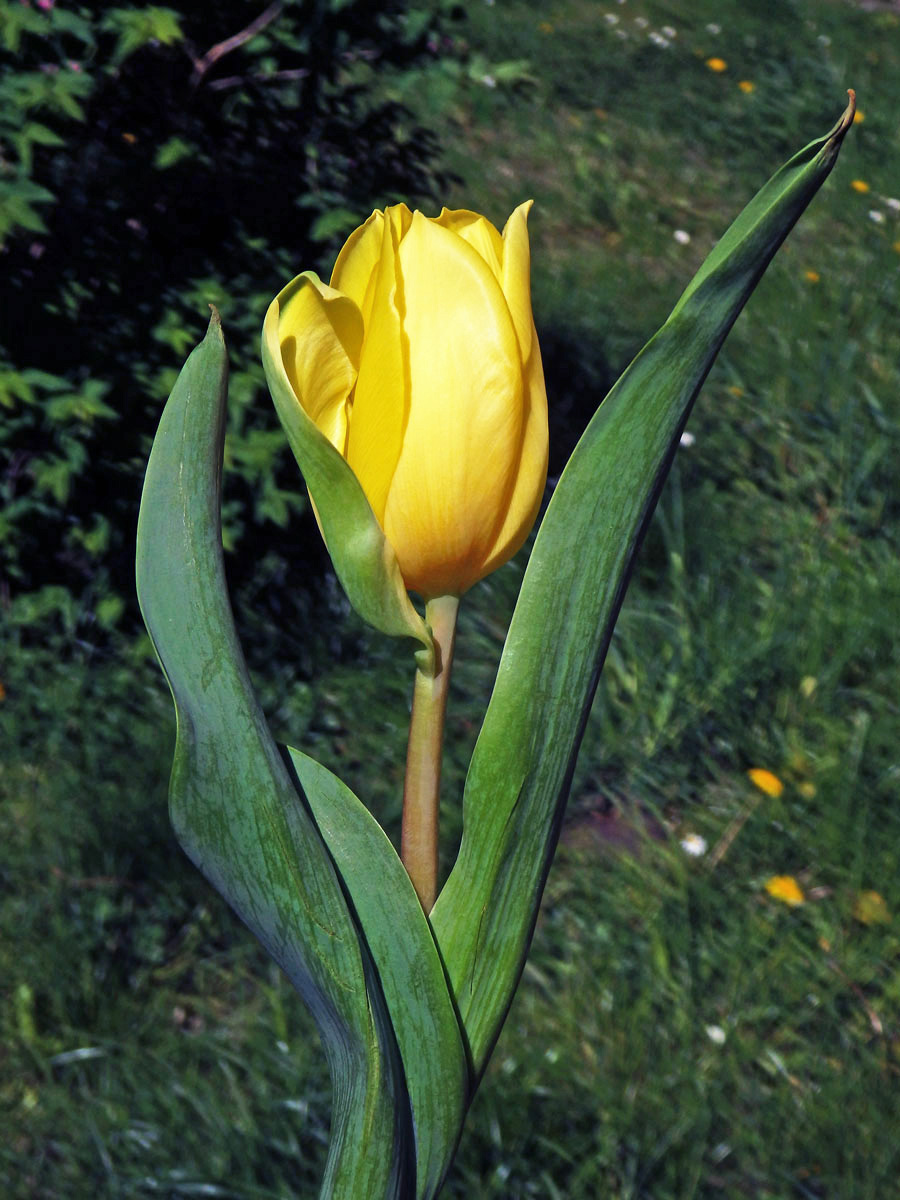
<point x="516" y="276"/>
<point x="531" y="478"/>
<point x="381" y="400"/>
<point x="462" y="444"/>
<point x="320" y="333"/>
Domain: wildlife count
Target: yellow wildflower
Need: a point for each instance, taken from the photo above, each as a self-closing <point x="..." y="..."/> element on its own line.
<point x="811" y="276"/>
<point x="766" y="781"/>
<point x="858" y="117"/>
<point x="859" y="185"/>
<point x="747" y="86"/>
<point x="786" y="889"/>
<point x="717" y="64"/>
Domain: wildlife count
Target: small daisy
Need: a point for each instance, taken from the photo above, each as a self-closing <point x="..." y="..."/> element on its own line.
<point x="876" y="216"/>
<point x="693" y="843"/>
<point x="681" y="236"/>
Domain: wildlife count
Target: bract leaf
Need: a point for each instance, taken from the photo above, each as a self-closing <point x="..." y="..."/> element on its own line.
<point x="409" y="967"/>
<point x="233" y="803"/>
<point x="522" y="766"/>
<point x="363" y="557"/>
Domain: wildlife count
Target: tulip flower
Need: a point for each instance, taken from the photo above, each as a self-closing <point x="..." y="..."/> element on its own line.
<point x="420" y="365"/>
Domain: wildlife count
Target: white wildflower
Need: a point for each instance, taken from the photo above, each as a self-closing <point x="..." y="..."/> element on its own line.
<point x="693" y="844"/>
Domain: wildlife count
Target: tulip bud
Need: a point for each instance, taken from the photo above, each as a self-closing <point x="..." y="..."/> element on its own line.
<point x="420" y="365"/>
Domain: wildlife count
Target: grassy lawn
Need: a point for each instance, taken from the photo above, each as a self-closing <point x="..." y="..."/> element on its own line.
<point x="679" y="1031"/>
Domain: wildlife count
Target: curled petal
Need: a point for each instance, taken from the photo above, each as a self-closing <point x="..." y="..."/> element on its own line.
<point x="321" y="334"/>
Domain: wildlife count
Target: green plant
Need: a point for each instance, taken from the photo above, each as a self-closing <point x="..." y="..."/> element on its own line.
<point x="297" y="855"/>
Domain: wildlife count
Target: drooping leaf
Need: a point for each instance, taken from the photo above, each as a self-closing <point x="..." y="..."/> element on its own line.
<point x="522" y="766"/>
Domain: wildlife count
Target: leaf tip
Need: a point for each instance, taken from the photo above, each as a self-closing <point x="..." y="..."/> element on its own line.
<point x="846" y="120"/>
<point x="215" y="324"/>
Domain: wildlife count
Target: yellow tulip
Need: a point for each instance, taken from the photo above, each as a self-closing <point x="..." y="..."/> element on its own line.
<point x="421" y="365"/>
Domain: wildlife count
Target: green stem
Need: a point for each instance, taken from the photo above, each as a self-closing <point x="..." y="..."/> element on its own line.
<point x="421" y="791"/>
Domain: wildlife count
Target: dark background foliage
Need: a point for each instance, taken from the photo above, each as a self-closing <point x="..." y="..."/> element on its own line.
<point x="156" y="159"/>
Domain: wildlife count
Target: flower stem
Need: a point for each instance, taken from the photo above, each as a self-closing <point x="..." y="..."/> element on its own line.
<point x="421" y="791"/>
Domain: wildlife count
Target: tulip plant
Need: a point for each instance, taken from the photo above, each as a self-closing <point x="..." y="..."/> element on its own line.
<point x="411" y="392"/>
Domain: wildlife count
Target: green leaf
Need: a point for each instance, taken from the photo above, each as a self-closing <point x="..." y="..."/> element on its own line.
<point x="409" y="967"/>
<point x="136" y="27"/>
<point x="363" y="557"/>
<point x="233" y="802"/>
<point x="522" y="766"/>
<point x="173" y="151"/>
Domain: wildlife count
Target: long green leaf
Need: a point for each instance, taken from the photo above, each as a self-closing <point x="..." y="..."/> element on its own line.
<point x="409" y="967"/>
<point x="233" y="804"/>
<point x="522" y="766"/>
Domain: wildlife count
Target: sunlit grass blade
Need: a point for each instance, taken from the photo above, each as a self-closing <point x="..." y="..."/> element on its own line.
<point x="576" y="578"/>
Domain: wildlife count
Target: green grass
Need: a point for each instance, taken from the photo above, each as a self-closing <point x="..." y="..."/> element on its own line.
<point x="149" y="1048"/>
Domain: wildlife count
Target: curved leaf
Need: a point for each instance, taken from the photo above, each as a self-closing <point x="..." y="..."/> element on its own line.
<point x="409" y="967"/>
<point x="233" y="804"/>
<point x="522" y="766"/>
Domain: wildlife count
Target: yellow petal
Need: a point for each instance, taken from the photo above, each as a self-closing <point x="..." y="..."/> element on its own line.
<point x="381" y="400"/>
<point x="462" y="443"/>
<point x="531" y="477"/>
<point x="320" y="333"/>
<point x="356" y="267"/>
<point x="516" y="277"/>
<point x="478" y="232"/>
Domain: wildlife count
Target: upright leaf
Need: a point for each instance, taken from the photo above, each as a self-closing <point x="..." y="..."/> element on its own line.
<point x="522" y="766"/>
